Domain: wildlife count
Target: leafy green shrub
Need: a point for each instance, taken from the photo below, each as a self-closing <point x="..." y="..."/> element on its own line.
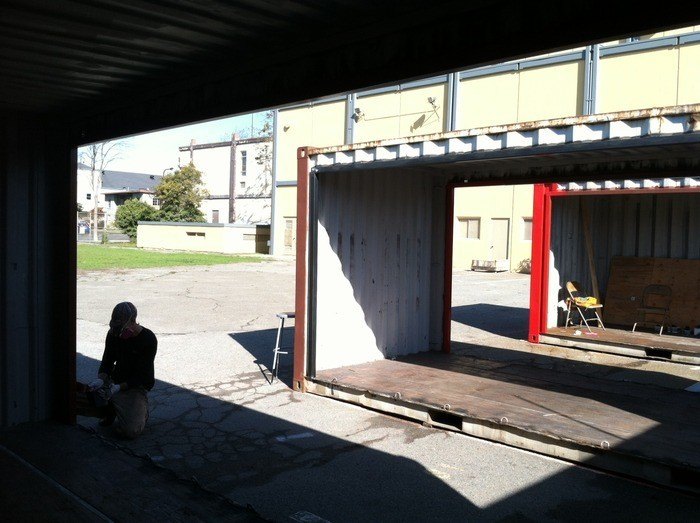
<point x="132" y="212"/>
<point x="180" y="194"/>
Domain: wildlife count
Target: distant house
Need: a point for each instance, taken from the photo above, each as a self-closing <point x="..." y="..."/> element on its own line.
<point x="238" y="176"/>
<point x="116" y="187"/>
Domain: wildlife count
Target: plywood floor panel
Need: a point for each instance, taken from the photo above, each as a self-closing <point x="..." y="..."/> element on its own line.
<point x="644" y="420"/>
<point x="626" y="338"/>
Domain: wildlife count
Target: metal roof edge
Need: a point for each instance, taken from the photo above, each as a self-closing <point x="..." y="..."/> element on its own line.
<point x="212" y="145"/>
<point x="600" y="118"/>
<point x="534" y="151"/>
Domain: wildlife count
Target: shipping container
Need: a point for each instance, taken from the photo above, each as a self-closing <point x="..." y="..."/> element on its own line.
<point x="374" y="271"/>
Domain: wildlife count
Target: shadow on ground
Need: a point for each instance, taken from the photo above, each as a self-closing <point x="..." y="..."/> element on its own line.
<point x="260" y="344"/>
<point x="278" y="466"/>
<point x="226" y="436"/>
<point x="502" y="320"/>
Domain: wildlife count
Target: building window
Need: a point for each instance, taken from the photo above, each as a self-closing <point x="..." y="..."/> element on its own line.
<point x="156" y="201"/>
<point x="88" y="196"/>
<point x="527" y="229"/>
<point x="244" y="162"/>
<point x="215" y="216"/>
<point x="242" y="185"/>
<point x="469" y="228"/>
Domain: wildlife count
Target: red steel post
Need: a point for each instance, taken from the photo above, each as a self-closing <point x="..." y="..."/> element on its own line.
<point x="301" y="295"/>
<point x="546" y="246"/>
<point x="447" y="285"/>
<point x="537" y="263"/>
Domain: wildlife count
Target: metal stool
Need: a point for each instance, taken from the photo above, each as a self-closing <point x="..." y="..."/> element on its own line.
<point x="278" y="347"/>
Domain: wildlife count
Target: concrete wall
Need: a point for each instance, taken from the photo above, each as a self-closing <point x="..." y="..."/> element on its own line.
<point x="536" y="93"/>
<point x="204" y="237"/>
<point x="214" y="165"/>
<point x="249" y="210"/>
<point x="405" y="112"/>
<point x="253" y="190"/>
<point x="650" y="78"/>
<point x="37" y="268"/>
<point x="84" y="189"/>
<point x="511" y="202"/>
<point x="392" y="306"/>
<point x="318" y="124"/>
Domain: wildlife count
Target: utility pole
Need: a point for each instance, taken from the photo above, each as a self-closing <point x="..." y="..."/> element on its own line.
<point x="232" y="180"/>
<point x="96" y="178"/>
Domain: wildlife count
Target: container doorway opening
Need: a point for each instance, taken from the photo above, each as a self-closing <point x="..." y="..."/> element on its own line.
<point x="490" y="259"/>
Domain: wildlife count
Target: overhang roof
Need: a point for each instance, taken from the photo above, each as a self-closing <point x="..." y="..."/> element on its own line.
<point x="601" y="146"/>
<point x="121" y="181"/>
<point x="117" y="67"/>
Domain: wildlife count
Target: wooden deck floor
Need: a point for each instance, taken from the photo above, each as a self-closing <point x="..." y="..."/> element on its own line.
<point x="681" y="346"/>
<point x="628" y="419"/>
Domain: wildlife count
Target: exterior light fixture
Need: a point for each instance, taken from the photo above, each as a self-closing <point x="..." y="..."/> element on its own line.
<point x="358" y="115"/>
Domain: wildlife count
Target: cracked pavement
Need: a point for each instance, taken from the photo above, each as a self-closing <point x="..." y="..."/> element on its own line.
<point x="215" y="417"/>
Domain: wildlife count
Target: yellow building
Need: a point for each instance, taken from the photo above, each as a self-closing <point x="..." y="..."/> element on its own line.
<point x="490" y="223"/>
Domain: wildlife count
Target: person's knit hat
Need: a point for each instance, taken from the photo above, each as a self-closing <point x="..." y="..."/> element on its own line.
<point x="121" y="314"/>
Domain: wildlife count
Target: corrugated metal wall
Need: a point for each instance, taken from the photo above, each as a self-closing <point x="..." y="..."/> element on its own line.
<point x="37" y="325"/>
<point x="380" y="266"/>
<point x="651" y="225"/>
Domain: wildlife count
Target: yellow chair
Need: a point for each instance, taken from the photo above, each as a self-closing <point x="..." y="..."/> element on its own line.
<point x="583" y="303"/>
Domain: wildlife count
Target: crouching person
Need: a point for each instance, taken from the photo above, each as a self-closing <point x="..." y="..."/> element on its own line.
<point x="126" y="372"/>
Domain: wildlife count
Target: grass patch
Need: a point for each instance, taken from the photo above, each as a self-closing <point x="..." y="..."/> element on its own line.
<point x="93" y="257"/>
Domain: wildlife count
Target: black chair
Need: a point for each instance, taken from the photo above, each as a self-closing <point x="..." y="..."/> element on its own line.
<point x="656" y="301"/>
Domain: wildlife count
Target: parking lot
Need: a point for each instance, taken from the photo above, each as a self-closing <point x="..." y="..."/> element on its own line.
<point x="215" y="417"/>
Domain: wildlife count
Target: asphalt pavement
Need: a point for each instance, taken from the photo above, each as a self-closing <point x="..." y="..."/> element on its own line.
<point x="215" y="417"/>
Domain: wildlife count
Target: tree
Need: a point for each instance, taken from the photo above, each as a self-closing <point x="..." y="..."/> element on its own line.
<point x="131" y="213"/>
<point x="180" y="195"/>
<point x="263" y="157"/>
<point x="97" y="157"/>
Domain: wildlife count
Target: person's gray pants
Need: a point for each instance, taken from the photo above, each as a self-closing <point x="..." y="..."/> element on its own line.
<point x="131" y="408"/>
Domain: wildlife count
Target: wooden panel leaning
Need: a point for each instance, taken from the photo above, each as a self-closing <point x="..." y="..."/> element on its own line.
<point x="630" y="276"/>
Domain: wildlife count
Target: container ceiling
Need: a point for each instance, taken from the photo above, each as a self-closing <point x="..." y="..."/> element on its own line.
<point x="124" y="66"/>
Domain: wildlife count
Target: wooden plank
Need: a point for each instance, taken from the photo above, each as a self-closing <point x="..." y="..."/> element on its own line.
<point x="628" y="277"/>
<point x="683" y="277"/>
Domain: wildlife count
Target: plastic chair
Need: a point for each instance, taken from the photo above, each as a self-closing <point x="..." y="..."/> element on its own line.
<point x="574" y="290"/>
<point x="279" y="349"/>
<point x="656" y="301"/>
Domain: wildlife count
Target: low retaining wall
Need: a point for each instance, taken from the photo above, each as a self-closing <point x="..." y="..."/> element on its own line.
<point x="227" y="238"/>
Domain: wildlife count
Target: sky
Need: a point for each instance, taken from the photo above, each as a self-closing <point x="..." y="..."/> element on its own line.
<point x="154" y="152"/>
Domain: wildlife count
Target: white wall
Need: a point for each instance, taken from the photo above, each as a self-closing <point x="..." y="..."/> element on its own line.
<point x="215" y="165"/>
<point x="85" y="188"/>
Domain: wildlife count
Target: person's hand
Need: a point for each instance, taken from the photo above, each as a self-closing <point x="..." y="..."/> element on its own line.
<point x="96" y="384"/>
<point x="108" y="391"/>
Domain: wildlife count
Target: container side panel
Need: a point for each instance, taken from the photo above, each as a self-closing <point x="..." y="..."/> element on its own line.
<point x="373" y="267"/>
<point x="437" y="265"/>
<point x="37" y="278"/>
